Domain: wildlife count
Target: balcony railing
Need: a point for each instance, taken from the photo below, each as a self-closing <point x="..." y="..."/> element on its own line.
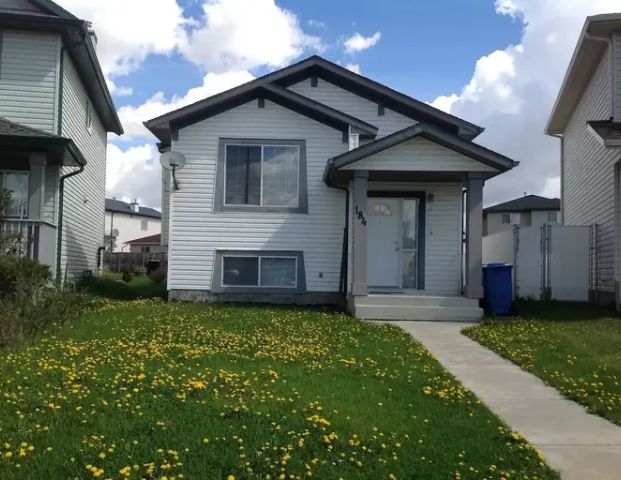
<point x="30" y="238"/>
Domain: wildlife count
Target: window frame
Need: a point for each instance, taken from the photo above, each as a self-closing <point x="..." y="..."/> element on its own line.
<point x="220" y="204"/>
<point x="144" y="224"/>
<point x="3" y="172"/>
<point x="218" y="285"/>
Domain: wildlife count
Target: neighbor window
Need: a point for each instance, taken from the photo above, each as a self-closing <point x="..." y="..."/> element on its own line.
<point x="259" y="271"/>
<point x="511" y="218"/>
<point x="262" y="175"/>
<point x="16" y="184"/>
<point x="553" y="217"/>
<point x="145" y="249"/>
<point x="144" y="224"/>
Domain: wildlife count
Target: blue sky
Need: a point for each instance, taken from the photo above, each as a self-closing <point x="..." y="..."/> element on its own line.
<point x="496" y="63"/>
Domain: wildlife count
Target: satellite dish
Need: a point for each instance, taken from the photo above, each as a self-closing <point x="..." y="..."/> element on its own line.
<point x="115" y="233"/>
<point x="173" y="161"/>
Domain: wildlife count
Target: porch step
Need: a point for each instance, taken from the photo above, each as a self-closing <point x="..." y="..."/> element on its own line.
<point x="429" y="313"/>
<point x="417" y="300"/>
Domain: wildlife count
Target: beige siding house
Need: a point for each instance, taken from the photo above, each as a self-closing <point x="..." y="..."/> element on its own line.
<point x="587" y="119"/>
<point x="55" y="113"/>
<point x="528" y="211"/>
<point x="317" y="185"/>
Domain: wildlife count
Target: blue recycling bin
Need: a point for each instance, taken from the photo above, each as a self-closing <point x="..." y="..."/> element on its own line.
<point x="498" y="287"/>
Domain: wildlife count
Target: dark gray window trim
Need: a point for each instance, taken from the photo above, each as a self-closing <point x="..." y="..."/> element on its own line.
<point x="219" y="206"/>
<point x="422" y="223"/>
<point x="216" y="281"/>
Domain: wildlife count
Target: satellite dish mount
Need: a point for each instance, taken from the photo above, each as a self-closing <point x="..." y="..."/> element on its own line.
<point x="173" y="161"/>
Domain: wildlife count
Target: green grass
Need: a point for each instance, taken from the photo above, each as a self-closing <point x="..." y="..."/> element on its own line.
<point x="151" y="390"/>
<point x="111" y="286"/>
<point x="575" y="348"/>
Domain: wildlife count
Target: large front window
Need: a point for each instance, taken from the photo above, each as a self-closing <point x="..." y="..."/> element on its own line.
<point x="16" y="184"/>
<point x="262" y="175"/>
<point x="259" y="271"/>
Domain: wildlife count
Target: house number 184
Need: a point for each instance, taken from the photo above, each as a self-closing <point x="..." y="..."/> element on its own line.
<point x="361" y="217"/>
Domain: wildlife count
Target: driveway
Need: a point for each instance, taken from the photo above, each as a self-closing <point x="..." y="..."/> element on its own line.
<point x="579" y="445"/>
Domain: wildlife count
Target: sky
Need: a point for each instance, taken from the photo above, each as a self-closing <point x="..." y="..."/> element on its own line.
<point x="496" y="63"/>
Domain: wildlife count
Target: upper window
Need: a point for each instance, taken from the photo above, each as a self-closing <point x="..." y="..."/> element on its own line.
<point x="262" y="175"/>
<point x="553" y="217"/>
<point x="511" y="218"/>
<point x="16" y="184"/>
<point x="144" y="224"/>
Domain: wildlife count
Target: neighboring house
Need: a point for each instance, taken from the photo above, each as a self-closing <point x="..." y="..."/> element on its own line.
<point x="587" y="119"/>
<point x="528" y="211"/>
<point x="150" y="244"/>
<point x="55" y="112"/>
<point x="128" y="221"/>
<point x="317" y="185"/>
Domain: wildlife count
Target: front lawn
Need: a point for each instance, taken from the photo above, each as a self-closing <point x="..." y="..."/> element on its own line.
<point x="575" y="348"/>
<point x="169" y="391"/>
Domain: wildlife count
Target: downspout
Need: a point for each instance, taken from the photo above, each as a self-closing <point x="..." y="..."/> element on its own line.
<point x="61" y="201"/>
<point x="345" y="250"/>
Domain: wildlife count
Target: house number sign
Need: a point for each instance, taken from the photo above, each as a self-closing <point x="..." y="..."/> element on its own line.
<point x="361" y="217"/>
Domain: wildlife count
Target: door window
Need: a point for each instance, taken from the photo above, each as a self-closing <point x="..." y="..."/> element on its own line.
<point x="410" y="244"/>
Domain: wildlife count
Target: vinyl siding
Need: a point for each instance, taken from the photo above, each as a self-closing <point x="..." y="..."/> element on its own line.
<point x="422" y="155"/>
<point x="50" y="195"/>
<point x="29" y="66"/>
<point x="83" y="223"/>
<point x="616" y="78"/>
<point x="166" y="181"/>
<point x="588" y="171"/>
<point x="353" y="105"/>
<point x="197" y="232"/>
<point x="443" y="232"/>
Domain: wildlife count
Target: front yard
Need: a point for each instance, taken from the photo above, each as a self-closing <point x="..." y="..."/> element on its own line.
<point x="170" y="391"/>
<point x="574" y="348"/>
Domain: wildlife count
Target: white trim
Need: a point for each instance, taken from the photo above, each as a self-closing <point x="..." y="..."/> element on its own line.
<point x="259" y="263"/>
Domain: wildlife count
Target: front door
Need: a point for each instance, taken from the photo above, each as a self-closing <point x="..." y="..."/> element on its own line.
<point x="384" y="242"/>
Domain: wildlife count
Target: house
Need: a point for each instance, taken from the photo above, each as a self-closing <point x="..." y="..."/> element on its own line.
<point x="150" y="244"/>
<point x="128" y="221"/>
<point x="313" y="184"/>
<point x="527" y="211"/>
<point x="55" y="113"/>
<point x="587" y="119"/>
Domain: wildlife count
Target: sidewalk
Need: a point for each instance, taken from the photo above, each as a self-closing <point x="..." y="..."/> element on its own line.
<point x="578" y="445"/>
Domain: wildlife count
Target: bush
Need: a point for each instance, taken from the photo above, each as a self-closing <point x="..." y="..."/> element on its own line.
<point x="128" y="276"/>
<point x="158" y="276"/>
<point x="140" y="287"/>
<point x="22" y="275"/>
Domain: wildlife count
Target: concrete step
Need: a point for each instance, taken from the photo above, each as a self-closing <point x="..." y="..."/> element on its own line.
<point x="428" y="313"/>
<point x="417" y="300"/>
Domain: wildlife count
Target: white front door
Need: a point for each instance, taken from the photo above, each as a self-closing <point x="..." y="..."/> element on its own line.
<point x="384" y="218"/>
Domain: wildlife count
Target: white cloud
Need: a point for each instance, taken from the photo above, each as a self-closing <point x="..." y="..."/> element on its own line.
<point x="118" y="90"/>
<point x="512" y="91"/>
<point x="358" y="42"/>
<point x="316" y="23"/>
<point x="354" y="67"/>
<point x="243" y="34"/>
<point x="129" y="30"/>
<point x="134" y="173"/>
<point x="133" y="116"/>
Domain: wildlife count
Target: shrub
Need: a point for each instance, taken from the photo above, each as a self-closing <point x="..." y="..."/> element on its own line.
<point x="158" y="276"/>
<point x="22" y="275"/>
<point x="108" y="287"/>
<point x="128" y="276"/>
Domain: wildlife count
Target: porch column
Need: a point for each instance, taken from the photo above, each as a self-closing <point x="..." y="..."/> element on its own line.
<point x="36" y="187"/>
<point x="474" y="237"/>
<point x="359" y="212"/>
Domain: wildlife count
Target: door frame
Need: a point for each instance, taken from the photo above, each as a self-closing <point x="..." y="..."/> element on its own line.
<point x="422" y="221"/>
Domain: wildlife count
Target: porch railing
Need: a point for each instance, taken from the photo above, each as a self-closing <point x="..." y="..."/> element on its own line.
<point x="30" y="238"/>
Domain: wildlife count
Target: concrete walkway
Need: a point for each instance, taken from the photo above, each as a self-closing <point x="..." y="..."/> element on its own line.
<point x="578" y="445"/>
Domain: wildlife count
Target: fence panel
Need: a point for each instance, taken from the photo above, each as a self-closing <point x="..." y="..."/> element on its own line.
<point x="133" y="261"/>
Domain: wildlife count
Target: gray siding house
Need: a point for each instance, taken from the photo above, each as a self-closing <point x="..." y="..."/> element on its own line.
<point x="317" y="185"/>
<point x="528" y="211"/>
<point x="587" y="119"/>
<point x="55" y="112"/>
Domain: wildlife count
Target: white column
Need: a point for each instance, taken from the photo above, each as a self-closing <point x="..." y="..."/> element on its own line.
<point x="359" y="227"/>
<point x="474" y="237"/>
<point x="38" y="162"/>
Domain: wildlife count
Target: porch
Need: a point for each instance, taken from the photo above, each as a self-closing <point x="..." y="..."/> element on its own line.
<point x="35" y="239"/>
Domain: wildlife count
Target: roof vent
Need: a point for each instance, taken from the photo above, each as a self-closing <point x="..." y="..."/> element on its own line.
<point x="135" y="207"/>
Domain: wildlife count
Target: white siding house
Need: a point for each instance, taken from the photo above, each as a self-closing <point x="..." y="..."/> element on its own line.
<point x="55" y="113"/>
<point x="316" y="185"/>
<point x="587" y="118"/>
<point x="129" y="221"/>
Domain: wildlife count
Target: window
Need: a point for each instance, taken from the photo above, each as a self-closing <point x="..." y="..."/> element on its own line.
<point x="145" y="249"/>
<point x="89" y="116"/>
<point x="381" y="210"/>
<point x="260" y="271"/>
<point x="262" y="175"/>
<point x="511" y="218"/>
<point x="144" y="224"/>
<point x="553" y="217"/>
<point x="16" y="184"/>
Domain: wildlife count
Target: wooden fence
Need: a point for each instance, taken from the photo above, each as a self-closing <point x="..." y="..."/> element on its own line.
<point x="135" y="262"/>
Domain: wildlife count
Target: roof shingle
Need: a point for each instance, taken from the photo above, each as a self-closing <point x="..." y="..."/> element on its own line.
<point x="526" y="204"/>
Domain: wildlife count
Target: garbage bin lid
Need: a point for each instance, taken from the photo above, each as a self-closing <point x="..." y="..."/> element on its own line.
<point x="497" y="265"/>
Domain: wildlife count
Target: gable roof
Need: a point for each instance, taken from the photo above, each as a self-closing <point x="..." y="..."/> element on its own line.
<point x="148" y="240"/>
<point x="433" y="133"/>
<point x="526" y="203"/>
<point x="114" y="205"/>
<point x="60" y="149"/>
<point x="587" y="55"/>
<point x="51" y="17"/>
<point x="314" y="66"/>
